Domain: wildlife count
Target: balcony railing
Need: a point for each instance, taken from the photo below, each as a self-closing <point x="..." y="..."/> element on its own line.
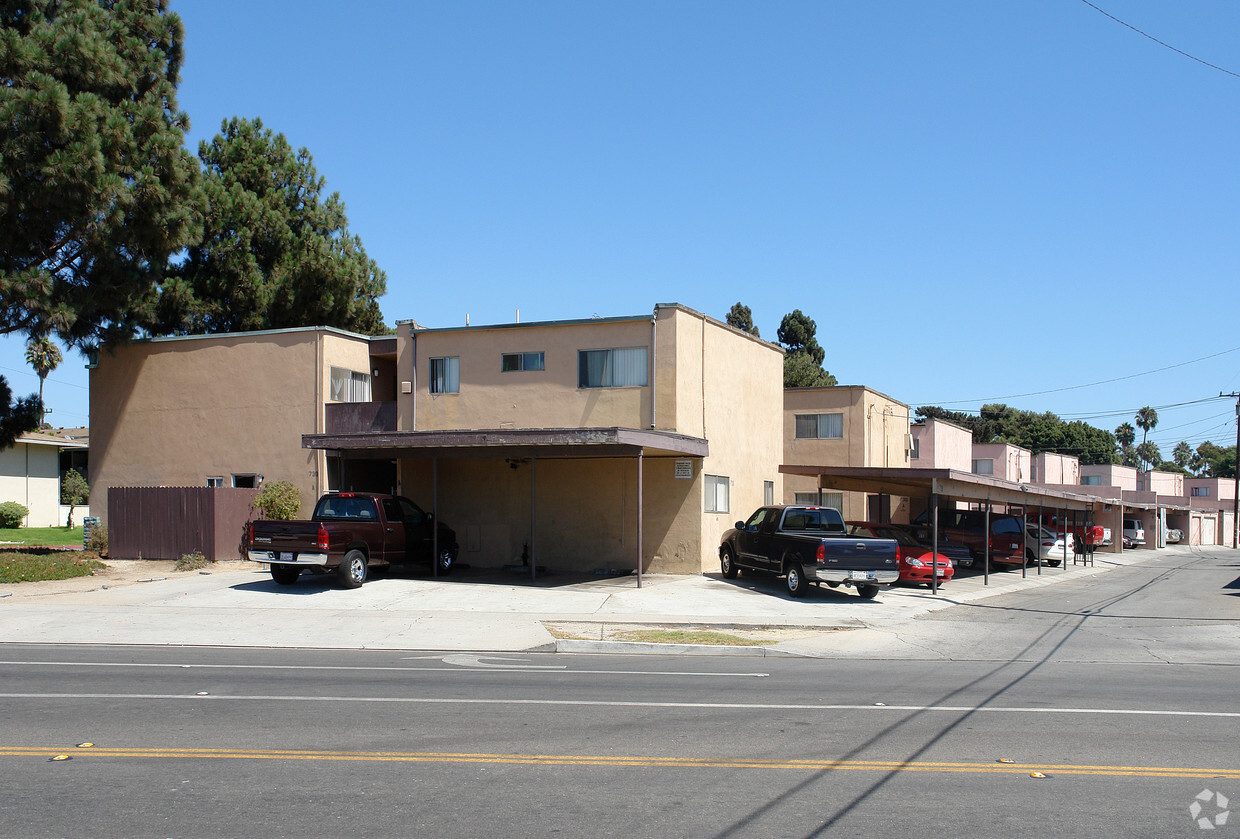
<point x="360" y="417"/>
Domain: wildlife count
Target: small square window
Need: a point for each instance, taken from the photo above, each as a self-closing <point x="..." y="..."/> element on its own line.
<point x="215" y="481"/>
<point x="512" y="362"/>
<point x="717" y="492"/>
<point x="446" y="374"/>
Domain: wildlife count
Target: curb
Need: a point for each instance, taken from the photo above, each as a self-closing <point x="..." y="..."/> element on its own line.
<point x="645" y="648"/>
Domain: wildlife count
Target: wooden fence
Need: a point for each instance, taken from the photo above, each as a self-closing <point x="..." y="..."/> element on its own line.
<point x="169" y="522"/>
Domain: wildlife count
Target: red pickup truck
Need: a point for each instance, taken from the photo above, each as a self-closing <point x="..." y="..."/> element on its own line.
<point x="1085" y="539"/>
<point x="348" y="534"/>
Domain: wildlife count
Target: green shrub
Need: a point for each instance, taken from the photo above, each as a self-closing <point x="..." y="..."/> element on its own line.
<point x="191" y="562"/>
<point x="12" y="513"/>
<point x="279" y="500"/>
<point x="97" y="541"/>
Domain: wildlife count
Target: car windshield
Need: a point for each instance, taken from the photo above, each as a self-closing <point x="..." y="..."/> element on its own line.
<point x="902" y="537"/>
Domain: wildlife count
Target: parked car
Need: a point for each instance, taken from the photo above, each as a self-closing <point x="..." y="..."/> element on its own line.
<point x="968" y="528"/>
<point x="349" y="533"/>
<point x="807" y="545"/>
<point x="916" y="562"/>
<point x="924" y="534"/>
<point x="1174" y="535"/>
<point x="1044" y="545"/>
<point x="1134" y="531"/>
<point x="1085" y="539"/>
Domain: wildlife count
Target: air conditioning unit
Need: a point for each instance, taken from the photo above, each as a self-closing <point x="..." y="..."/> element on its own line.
<point x="406" y="387"/>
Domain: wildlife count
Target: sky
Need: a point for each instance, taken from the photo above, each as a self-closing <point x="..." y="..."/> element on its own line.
<point x="1028" y="203"/>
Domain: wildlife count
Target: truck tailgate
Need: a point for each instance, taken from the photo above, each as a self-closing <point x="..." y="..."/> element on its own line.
<point x="862" y="554"/>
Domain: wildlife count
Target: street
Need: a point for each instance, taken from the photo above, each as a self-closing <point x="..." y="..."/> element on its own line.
<point x="1104" y="708"/>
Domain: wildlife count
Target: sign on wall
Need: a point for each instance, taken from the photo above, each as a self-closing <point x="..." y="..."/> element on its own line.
<point x="684" y="469"/>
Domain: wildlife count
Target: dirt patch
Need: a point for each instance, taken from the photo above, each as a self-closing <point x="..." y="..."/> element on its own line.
<point x="120" y="572"/>
<point x="680" y="633"/>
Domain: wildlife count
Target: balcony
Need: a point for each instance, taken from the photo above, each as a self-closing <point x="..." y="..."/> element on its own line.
<point x="360" y="417"/>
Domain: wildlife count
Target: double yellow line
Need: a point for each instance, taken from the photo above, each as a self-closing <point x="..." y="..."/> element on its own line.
<point x="998" y="767"/>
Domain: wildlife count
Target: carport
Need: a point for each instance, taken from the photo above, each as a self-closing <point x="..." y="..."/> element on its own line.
<point x="520" y="446"/>
<point x="932" y="484"/>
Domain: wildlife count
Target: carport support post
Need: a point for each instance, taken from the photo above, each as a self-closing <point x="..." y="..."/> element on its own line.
<point x="533" y="521"/>
<point x="986" y="551"/>
<point x="1063" y="516"/>
<point x="640" y="522"/>
<point x="934" y="543"/>
<point x="434" y="517"/>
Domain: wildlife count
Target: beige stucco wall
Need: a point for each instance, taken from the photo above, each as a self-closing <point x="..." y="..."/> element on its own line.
<point x="1052" y="468"/>
<point x="1011" y="463"/>
<point x="30" y="475"/>
<point x="943" y="445"/>
<point x="1162" y="483"/>
<point x="172" y="412"/>
<point x="1112" y="475"/>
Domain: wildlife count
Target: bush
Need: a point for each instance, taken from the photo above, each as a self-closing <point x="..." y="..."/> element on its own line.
<point x="97" y="541"/>
<point x="191" y="562"/>
<point x="11" y="514"/>
<point x="279" y="500"/>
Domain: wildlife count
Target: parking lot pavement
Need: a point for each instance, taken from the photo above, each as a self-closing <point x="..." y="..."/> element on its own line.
<point x="474" y="609"/>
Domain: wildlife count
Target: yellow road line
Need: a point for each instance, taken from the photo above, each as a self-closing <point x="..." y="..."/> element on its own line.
<point x="620" y="761"/>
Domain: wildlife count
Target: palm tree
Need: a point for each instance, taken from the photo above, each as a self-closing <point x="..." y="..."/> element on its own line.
<point x="44" y="357"/>
<point x="1182" y="454"/>
<point x="1125" y="435"/>
<point x="1146" y="419"/>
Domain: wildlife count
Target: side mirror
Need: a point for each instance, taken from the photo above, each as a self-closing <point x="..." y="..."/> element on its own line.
<point x="740" y="525"/>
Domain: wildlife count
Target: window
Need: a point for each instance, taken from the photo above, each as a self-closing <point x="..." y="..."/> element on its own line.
<point x="768" y="492"/>
<point x="246" y="481"/>
<point x="810" y="426"/>
<point x="984" y="466"/>
<point x="835" y="500"/>
<point x="215" y="481"/>
<point x="1201" y="492"/>
<point x="1091" y="481"/>
<point x="446" y="374"/>
<point x="915" y="453"/>
<point x="349" y="385"/>
<point x="510" y="362"/>
<point x="622" y="367"/>
<point x="716" y="492"/>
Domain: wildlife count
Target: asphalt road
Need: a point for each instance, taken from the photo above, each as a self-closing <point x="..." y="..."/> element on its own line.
<point x="1102" y="709"/>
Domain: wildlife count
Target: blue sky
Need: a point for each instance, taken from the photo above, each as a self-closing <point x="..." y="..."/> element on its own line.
<point x="973" y="200"/>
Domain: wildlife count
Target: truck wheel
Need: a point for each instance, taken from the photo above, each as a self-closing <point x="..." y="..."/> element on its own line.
<point x="446" y="560"/>
<point x="796" y="580"/>
<point x="867" y="592"/>
<point x="727" y="565"/>
<point x="352" y="569"/>
<point x="285" y="575"/>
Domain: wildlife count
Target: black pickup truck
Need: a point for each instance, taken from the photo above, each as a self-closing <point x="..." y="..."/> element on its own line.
<point x="808" y="545"/>
<point x="350" y="532"/>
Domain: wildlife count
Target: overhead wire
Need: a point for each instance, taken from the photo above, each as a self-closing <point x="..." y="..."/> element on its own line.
<point x="1160" y="43"/>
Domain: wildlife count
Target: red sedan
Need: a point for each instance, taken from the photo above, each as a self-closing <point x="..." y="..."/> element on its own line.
<point x="915" y="560"/>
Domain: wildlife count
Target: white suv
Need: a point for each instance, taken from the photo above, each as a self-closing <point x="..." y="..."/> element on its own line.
<point x="1134" y="531"/>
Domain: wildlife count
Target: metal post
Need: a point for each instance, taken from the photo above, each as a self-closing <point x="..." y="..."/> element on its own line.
<point x="640" y="522"/>
<point x="934" y="543"/>
<point x="986" y="552"/>
<point x="533" y="520"/>
<point x="435" y="517"/>
<point x="1063" y="515"/>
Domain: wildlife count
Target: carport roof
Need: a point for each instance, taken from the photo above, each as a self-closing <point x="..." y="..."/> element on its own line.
<point x="949" y="482"/>
<point x="511" y="442"/>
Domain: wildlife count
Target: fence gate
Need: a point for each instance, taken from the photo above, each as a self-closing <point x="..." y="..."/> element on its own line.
<point x="169" y="522"/>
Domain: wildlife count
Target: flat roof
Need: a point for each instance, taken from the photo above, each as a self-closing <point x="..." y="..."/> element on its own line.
<point x="511" y="442"/>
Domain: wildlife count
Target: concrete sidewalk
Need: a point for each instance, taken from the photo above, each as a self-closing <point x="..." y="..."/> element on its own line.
<point x="480" y="611"/>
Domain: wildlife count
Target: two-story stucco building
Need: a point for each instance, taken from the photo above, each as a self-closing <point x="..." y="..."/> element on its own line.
<point x="580" y="443"/>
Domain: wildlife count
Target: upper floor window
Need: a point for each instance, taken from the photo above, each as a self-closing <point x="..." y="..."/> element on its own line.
<point x="1091" y="481"/>
<point x="829" y="499"/>
<point x="510" y="362"/>
<point x="820" y="426"/>
<point x="619" y="367"/>
<point x="349" y="385"/>
<point x="983" y="466"/>
<point x="1201" y="492"/>
<point x="446" y="374"/>
<point x="915" y="452"/>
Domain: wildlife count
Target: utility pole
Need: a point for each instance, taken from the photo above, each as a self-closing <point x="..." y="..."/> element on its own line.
<point x="1235" y="504"/>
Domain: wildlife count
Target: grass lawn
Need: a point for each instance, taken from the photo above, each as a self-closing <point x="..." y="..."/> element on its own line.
<point x="28" y="566"/>
<point x="41" y="536"/>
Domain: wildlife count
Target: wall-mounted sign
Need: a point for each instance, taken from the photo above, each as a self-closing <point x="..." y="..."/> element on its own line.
<point x="684" y="469"/>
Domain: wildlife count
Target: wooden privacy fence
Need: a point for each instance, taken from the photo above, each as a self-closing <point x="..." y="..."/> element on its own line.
<point x="169" y="522"/>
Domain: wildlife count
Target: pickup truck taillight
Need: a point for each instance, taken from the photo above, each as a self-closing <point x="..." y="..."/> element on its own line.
<point x="322" y="538"/>
<point x="821" y="556"/>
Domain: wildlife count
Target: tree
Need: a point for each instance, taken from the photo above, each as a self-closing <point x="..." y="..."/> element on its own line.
<point x="16" y="418"/>
<point x="1182" y="454"/>
<point x="1149" y="454"/>
<point x="1045" y="432"/>
<point x="803" y="359"/>
<point x="1217" y="462"/>
<point x="280" y="500"/>
<point x="275" y="252"/>
<point x="740" y="317"/>
<point x="73" y="491"/>
<point x="96" y="188"/>
<point x="44" y="356"/>
<point x="1146" y="419"/>
<point x="1125" y="434"/>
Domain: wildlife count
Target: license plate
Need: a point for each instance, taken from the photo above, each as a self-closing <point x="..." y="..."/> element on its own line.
<point x="862" y="575"/>
<point x="285" y="556"/>
<point x="939" y="572"/>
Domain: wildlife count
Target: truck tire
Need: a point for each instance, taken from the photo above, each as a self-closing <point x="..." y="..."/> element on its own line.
<point x="446" y="561"/>
<point x="795" y="579"/>
<point x="867" y="592"/>
<point x="727" y="565"/>
<point x="352" y="570"/>
<point x="285" y="575"/>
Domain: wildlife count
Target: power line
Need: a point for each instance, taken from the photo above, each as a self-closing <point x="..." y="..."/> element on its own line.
<point x="1160" y="43"/>
<point x="1079" y="387"/>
